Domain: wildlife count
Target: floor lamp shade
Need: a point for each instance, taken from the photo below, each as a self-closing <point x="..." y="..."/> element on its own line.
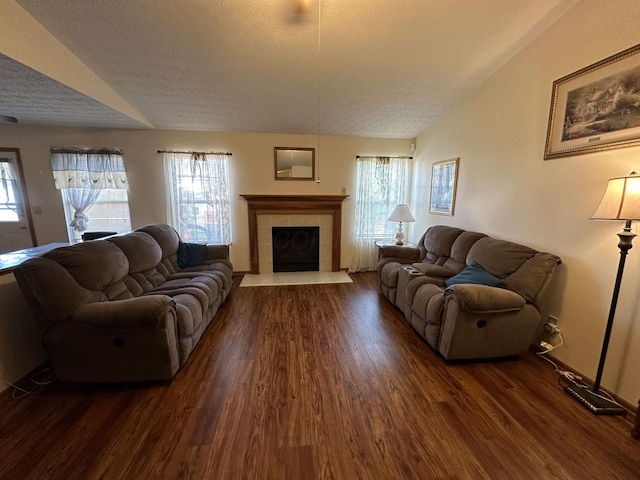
<point x="401" y="214"/>
<point x="621" y="201"/>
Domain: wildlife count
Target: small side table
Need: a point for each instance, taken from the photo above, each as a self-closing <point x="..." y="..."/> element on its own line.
<point x="384" y="243"/>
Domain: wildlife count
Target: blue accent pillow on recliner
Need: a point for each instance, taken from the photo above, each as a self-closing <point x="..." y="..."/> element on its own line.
<point x="474" y="273"/>
<point x="191" y="254"/>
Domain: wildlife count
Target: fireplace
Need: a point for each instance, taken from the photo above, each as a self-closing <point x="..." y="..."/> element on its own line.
<point x="287" y="210"/>
<point x="296" y="249"/>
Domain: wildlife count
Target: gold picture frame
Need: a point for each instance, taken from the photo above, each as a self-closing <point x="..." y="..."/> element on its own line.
<point x="444" y="183"/>
<point x="294" y="163"/>
<point x="596" y="108"/>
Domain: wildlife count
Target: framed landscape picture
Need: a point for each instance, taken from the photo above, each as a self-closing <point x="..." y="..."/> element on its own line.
<point x="444" y="177"/>
<point x="596" y="108"/>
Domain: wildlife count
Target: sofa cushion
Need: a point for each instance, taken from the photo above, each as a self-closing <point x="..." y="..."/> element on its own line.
<point x="531" y="279"/>
<point x="474" y="274"/>
<point x="437" y="242"/>
<point x="141" y="249"/>
<point x="144" y="255"/>
<point x="499" y="257"/>
<point x="94" y="265"/>
<point x="168" y="239"/>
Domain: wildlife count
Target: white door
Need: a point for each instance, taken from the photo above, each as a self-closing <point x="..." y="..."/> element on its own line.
<point x="15" y="220"/>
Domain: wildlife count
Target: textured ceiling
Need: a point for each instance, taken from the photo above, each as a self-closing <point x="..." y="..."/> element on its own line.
<point x="376" y="68"/>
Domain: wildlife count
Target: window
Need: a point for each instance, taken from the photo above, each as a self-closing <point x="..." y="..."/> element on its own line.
<point x="9" y="203"/>
<point x="93" y="185"/>
<point x="382" y="183"/>
<point x="199" y="202"/>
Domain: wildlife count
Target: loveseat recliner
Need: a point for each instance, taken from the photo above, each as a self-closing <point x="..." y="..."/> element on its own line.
<point x="468" y="295"/>
<point x="123" y="309"/>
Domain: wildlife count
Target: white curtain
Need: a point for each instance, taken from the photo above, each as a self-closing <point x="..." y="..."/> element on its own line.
<point x="81" y="199"/>
<point x="198" y="196"/>
<point x="382" y="183"/>
<point x="82" y="168"/>
<point x="8" y="188"/>
<point x="81" y="175"/>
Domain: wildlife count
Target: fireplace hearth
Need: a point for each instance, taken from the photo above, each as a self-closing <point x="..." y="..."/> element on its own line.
<point x="296" y="249"/>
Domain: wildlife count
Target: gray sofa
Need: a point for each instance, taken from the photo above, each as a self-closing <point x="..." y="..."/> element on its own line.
<point x="122" y="309"/>
<point x="496" y="317"/>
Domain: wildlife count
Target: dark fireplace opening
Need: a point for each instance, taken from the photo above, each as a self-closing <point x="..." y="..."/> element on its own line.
<point x="296" y="249"/>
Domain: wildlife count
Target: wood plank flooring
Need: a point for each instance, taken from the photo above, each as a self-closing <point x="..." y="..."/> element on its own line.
<point x="317" y="382"/>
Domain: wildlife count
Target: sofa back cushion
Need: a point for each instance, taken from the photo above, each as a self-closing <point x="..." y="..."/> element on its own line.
<point x="168" y="240"/>
<point x="523" y="270"/>
<point x="457" y="260"/>
<point x="144" y="255"/>
<point x="51" y="290"/>
<point x="97" y="265"/>
<point x="435" y="245"/>
<point x="499" y="257"/>
<point x="533" y="276"/>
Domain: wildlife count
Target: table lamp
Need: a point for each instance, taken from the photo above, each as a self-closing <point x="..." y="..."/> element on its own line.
<point x="401" y="214"/>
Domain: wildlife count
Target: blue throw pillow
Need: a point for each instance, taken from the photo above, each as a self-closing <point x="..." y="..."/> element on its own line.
<point x="191" y="254"/>
<point x="474" y="273"/>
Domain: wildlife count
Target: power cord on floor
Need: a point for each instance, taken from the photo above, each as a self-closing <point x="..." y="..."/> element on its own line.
<point x="567" y="377"/>
<point x="38" y="380"/>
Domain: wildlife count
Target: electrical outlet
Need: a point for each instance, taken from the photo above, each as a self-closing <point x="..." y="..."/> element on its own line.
<point x="551" y="328"/>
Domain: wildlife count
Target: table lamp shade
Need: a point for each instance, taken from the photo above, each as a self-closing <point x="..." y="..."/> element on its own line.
<point x="621" y="200"/>
<point x="401" y="214"/>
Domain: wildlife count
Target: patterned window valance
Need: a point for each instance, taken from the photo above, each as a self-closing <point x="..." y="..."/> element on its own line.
<point x="84" y="168"/>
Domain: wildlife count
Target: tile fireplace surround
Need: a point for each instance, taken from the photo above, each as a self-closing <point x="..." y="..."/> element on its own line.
<point x="266" y="211"/>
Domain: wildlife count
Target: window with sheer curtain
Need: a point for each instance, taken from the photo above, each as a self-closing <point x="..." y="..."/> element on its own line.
<point x="93" y="184"/>
<point x="198" y="196"/>
<point x="382" y="183"/>
<point x="10" y="207"/>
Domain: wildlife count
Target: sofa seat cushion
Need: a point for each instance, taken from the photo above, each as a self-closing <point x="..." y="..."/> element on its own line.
<point x="207" y="285"/>
<point x="220" y="271"/>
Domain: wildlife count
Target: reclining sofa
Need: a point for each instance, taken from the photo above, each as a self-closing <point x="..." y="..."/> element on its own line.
<point x="468" y="295"/>
<point x="122" y="309"/>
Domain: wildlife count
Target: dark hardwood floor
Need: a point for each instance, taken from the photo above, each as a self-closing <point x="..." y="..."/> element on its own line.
<point x="317" y="381"/>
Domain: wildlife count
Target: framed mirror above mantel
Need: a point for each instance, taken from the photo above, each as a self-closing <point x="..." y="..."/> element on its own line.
<point x="294" y="163"/>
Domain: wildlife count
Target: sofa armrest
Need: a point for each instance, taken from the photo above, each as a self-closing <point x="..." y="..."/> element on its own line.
<point x="485" y="299"/>
<point x="217" y="252"/>
<point x="149" y="311"/>
<point x="399" y="253"/>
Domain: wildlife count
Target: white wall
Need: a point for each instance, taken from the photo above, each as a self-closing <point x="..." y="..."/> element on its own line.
<point x="507" y="190"/>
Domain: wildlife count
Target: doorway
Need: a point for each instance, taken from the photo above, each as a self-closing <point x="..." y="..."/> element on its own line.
<point x="16" y="224"/>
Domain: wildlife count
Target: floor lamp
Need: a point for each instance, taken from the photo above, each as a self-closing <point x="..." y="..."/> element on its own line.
<point x="621" y="201"/>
